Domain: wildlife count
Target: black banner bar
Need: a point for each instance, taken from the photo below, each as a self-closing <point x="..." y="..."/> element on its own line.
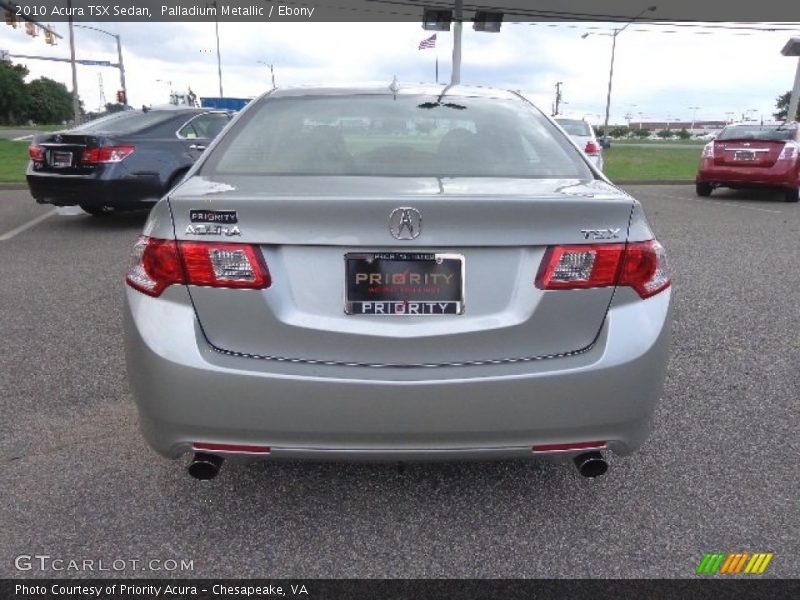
<point x="419" y="589"/>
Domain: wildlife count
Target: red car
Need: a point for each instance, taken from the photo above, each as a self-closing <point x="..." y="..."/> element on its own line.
<point x="752" y="155"/>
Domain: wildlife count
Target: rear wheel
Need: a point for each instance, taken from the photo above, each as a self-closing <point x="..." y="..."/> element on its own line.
<point x="703" y="189"/>
<point x="97" y="211"/>
<point x="791" y="195"/>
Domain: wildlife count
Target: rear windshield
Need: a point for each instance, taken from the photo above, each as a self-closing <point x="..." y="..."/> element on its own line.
<point x="758" y="132"/>
<point x="124" y="122"/>
<point x="382" y="135"/>
<point x="575" y="126"/>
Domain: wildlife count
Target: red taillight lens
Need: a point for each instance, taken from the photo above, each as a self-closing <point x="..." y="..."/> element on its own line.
<point x="224" y="265"/>
<point x="579" y="266"/>
<point x="156" y="264"/>
<point x="36" y="153"/>
<point x="106" y="154"/>
<point x="645" y="268"/>
<point x="592" y="149"/>
<point x="640" y="265"/>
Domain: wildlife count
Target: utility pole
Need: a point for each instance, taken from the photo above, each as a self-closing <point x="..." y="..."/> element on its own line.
<point x="121" y="71"/>
<point x="76" y="106"/>
<point x="558" y="97"/>
<point x="455" y="77"/>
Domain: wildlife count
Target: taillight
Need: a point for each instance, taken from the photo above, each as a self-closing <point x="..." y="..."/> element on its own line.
<point x="156" y="264"/>
<point x="708" y="150"/>
<point x="106" y="154"/>
<point x="789" y="152"/>
<point x="36" y="153"/>
<point x="640" y="265"/>
<point x="592" y="149"/>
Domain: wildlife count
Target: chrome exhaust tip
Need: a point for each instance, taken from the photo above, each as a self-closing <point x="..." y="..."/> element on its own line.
<point x="591" y="464"/>
<point x="205" y="466"/>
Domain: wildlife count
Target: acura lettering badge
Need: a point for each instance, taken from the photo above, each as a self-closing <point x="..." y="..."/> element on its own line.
<point x="405" y="223"/>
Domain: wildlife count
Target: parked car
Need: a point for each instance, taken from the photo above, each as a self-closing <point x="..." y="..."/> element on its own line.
<point x="466" y="288"/>
<point x="750" y="156"/>
<point x="583" y="134"/>
<point x="123" y="161"/>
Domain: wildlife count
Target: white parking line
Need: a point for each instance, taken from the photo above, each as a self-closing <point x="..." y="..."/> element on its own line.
<point x="22" y="138"/>
<point x="25" y="226"/>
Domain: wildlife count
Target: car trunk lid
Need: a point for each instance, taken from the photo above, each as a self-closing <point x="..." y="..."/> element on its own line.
<point x="747" y="152"/>
<point x="497" y="231"/>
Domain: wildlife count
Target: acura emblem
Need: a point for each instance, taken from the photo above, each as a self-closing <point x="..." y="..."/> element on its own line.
<point x="405" y="223"/>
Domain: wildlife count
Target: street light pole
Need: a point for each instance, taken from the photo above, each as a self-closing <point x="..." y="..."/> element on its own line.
<point x="694" y="110"/>
<point x="76" y="106"/>
<point x="271" y="68"/>
<point x="613" y="54"/>
<point x="120" y="64"/>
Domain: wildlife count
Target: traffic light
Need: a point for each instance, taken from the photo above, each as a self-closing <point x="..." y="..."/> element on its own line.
<point x="49" y="37"/>
<point x="121" y="99"/>
<point x="11" y="18"/>
<point x="31" y="29"/>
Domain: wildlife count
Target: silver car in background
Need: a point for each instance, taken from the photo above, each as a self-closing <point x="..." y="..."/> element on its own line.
<point x="395" y="274"/>
<point x="583" y="134"/>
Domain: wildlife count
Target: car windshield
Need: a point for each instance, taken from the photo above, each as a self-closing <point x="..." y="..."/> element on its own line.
<point x="575" y="126"/>
<point x="385" y="135"/>
<point x="129" y="121"/>
<point x="758" y="132"/>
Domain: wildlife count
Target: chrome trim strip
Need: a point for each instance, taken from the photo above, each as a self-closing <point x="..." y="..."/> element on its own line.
<point x="337" y="363"/>
<point x="570" y="450"/>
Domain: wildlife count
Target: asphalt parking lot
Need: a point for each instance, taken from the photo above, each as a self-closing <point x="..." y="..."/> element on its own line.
<point x="719" y="472"/>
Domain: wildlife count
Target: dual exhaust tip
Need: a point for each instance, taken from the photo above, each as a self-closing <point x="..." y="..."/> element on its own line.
<point x="205" y="466"/>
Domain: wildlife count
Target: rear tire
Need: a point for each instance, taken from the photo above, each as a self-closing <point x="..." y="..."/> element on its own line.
<point x="703" y="189"/>
<point x="791" y="195"/>
<point x="97" y="211"/>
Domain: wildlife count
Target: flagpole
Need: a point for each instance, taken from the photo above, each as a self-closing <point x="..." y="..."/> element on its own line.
<point x="437" y="66"/>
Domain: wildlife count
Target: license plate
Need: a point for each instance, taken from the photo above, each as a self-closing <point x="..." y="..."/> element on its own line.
<point x="404" y="283"/>
<point x="744" y="155"/>
<point x="61" y="160"/>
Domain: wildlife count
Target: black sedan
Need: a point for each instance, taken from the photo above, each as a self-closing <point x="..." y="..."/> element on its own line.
<point x="124" y="161"/>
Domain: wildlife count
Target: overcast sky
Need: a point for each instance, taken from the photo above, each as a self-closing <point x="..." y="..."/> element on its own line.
<point x="656" y="73"/>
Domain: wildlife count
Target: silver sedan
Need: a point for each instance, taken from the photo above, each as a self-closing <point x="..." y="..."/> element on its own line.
<point x="396" y="274"/>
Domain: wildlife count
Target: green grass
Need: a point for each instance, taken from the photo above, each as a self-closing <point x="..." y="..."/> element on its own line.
<point x="13" y="161"/>
<point x="34" y="127"/>
<point x="626" y="163"/>
<point x="693" y="142"/>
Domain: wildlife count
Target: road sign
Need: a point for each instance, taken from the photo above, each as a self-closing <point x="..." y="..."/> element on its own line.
<point x="95" y="63"/>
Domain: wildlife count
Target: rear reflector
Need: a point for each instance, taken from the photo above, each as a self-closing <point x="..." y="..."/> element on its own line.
<point x="106" y="154"/>
<point x="156" y="264"/>
<point x="36" y="153"/>
<point x="234" y="448"/>
<point x="640" y="265"/>
<point x="567" y="447"/>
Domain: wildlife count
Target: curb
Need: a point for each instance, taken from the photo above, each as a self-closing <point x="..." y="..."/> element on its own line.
<point x="13" y="186"/>
<point x="654" y="182"/>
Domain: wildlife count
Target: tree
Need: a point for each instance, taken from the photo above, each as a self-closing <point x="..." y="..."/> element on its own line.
<point x="50" y="101"/>
<point x="684" y="134"/>
<point x="642" y="133"/>
<point x="14" y="97"/>
<point x="782" y="106"/>
<point x="619" y="132"/>
<point x="664" y="134"/>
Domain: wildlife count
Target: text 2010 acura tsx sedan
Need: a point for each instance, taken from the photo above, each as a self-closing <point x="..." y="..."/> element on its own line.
<point x="399" y="274"/>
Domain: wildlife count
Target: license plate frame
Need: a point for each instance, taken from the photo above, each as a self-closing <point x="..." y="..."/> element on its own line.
<point x="744" y="155"/>
<point x="404" y="288"/>
<point x="61" y="159"/>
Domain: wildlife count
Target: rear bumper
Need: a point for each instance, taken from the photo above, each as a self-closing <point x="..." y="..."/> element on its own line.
<point x="187" y="392"/>
<point x="102" y="188"/>
<point x="777" y="176"/>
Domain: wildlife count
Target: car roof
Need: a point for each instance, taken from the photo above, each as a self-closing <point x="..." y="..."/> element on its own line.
<point x="400" y="89"/>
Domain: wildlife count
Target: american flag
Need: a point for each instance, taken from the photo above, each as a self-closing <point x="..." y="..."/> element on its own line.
<point x="428" y="43"/>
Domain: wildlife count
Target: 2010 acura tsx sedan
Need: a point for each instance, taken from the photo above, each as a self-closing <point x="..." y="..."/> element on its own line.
<point x="396" y="273"/>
